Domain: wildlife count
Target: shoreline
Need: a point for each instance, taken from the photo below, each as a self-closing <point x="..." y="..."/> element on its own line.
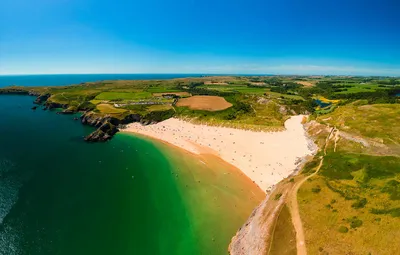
<point x="221" y="187"/>
<point x="258" y="155"/>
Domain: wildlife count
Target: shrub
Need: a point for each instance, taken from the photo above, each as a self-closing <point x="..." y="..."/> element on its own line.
<point x="278" y="196"/>
<point x="359" y="204"/>
<point x="392" y="187"/>
<point x="316" y="189"/>
<point x="343" y="229"/>
<point x="355" y="222"/>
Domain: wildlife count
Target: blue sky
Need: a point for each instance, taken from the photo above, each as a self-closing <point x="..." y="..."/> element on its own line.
<point x="360" y="37"/>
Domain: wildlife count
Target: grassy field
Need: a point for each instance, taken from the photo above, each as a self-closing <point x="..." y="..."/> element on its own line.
<point x="109" y="109"/>
<point x="236" y="88"/>
<point x="352" y="206"/>
<point x="115" y="96"/>
<point x="280" y="95"/>
<point x="356" y="88"/>
<point x="374" y="121"/>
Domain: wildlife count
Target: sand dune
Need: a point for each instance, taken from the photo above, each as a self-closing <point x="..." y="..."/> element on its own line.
<point x="266" y="158"/>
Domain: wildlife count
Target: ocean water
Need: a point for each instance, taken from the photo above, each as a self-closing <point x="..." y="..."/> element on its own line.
<point x="68" y="79"/>
<point x="59" y="195"/>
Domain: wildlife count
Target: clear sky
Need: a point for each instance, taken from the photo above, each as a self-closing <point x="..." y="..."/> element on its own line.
<point x="359" y="37"/>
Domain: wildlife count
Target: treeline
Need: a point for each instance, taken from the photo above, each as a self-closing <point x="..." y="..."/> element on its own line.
<point x="373" y="97"/>
<point x="284" y="88"/>
<point x="209" y="92"/>
<point x="302" y="105"/>
<point x="389" y="82"/>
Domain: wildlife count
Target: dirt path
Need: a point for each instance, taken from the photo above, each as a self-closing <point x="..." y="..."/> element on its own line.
<point x="294" y="205"/>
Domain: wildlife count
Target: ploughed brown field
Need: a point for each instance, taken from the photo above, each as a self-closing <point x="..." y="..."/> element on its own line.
<point x="208" y="103"/>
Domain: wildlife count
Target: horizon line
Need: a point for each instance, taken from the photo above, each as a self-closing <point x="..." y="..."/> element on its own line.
<point x="207" y="74"/>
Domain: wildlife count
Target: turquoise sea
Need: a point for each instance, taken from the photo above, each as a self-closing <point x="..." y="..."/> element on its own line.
<point x="131" y="195"/>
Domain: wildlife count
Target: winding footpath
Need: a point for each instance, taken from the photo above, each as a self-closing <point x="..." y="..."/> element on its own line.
<point x="294" y="205"/>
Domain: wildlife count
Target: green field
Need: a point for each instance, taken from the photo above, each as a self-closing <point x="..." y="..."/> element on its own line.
<point x="236" y="88"/>
<point x="356" y="88"/>
<point x="109" y="109"/>
<point x="114" y="96"/>
<point x="376" y="121"/>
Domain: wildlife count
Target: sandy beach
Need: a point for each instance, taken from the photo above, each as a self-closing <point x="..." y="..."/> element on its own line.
<point x="265" y="157"/>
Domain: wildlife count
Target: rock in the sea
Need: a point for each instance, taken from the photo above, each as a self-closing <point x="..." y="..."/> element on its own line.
<point x="34" y="107"/>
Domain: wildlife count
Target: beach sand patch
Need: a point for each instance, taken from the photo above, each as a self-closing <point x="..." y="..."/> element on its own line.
<point x="207" y="103"/>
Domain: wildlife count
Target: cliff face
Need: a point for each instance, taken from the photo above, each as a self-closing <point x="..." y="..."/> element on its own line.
<point x="107" y="126"/>
<point x="40" y="98"/>
<point x="255" y="236"/>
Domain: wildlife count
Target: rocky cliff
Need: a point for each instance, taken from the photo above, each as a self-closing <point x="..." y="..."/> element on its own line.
<point x="254" y="237"/>
<point x="107" y="126"/>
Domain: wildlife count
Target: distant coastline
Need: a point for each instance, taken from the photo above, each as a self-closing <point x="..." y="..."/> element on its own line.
<point x="69" y="79"/>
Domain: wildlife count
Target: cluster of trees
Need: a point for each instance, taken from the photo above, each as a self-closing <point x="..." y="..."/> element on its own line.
<point x="302" y="105"/>
<point x="389" y="82"/>
<point x="284" y="88"/>
<point x="373" y="97"/>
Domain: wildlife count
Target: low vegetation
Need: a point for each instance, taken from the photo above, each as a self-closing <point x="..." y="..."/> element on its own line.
<point x="357" y="208"/>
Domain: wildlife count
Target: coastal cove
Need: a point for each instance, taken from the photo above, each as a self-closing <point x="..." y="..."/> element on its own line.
<point x="129" y="195"/>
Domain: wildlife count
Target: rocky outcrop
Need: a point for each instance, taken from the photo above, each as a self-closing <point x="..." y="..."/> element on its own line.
<point x="69" y="110"/>
<point x="52" y="105"/>
<point x="103" y="133"/>
<point x="107" y="126"/>
<point x="41" y="98"/>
